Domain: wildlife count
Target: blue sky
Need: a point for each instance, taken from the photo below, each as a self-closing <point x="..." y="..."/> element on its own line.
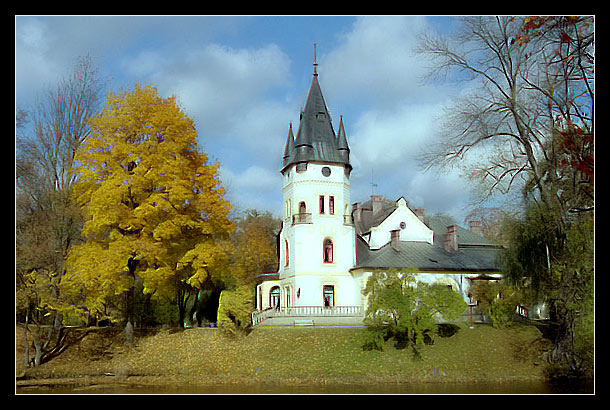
<point x="242" y="79"/>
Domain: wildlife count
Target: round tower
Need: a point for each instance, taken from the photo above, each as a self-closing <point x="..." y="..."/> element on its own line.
<point x="317" y="240"/>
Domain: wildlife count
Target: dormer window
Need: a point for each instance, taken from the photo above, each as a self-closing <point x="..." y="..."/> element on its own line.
<point x="320" y="116"/>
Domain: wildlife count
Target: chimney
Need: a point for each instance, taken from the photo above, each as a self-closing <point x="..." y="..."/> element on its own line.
<point x="376" y="204"/>
<point x="476" y="227"/>
<point x="450" y="240"/>
<point x="419" y="212"/>
<point x="394" y="238"/>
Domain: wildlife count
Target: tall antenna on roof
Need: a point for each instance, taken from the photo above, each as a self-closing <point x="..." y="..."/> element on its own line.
<point x="315" y="63"/>
<point x="373" y="184"/>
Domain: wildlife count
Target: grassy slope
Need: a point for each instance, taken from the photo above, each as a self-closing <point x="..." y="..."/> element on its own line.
<point x="302" y="355"/>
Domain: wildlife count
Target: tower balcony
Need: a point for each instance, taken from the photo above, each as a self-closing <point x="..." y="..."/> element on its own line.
<point x="347" y="220"/>
<point x="302" y="218"/>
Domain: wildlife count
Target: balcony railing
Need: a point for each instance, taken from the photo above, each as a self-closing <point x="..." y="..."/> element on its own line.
<point x="302" y="218"/>
<point x="305" y="311"/>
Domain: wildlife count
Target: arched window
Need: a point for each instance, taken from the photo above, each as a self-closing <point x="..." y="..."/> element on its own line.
<point x="286" y="253"/>
<point x="274" y="297"/>
<point x="327" y="251"/>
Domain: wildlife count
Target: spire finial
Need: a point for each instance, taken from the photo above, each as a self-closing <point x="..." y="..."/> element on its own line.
<point x="315" y="63"/>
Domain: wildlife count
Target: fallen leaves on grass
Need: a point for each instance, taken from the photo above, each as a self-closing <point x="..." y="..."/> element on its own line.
<point x="321" y="355"/>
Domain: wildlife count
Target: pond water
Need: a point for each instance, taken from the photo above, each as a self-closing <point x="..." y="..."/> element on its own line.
<point x="410" y="388"/>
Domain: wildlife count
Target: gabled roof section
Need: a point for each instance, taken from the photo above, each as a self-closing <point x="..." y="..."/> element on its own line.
<point x="368" y="219"/>
<point x="475" y="253"/>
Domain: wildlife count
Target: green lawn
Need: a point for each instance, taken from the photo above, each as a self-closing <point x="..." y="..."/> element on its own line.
<point x="335" y="354"/>
<point x="306" y="355"/>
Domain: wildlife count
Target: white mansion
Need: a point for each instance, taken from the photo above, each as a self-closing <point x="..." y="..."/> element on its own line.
<point x="329" y="249"/>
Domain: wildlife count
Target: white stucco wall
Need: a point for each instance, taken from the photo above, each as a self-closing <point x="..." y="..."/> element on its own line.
<point x="415" y="229"/>
<point x="306" y="271"/>
<point x="460" y="282"/>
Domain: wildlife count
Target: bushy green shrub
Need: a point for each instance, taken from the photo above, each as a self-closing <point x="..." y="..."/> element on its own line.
<point x="234" y="308"/>
<point x="401" y="308"/>
<point x="498" y="300"/>
<point x="373" y="340"/>
<point x="501" y="311"/>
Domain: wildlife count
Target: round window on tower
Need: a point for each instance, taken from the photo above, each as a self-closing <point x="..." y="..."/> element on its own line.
<point x="326" y="171"/>
<point x="403" y="225"/>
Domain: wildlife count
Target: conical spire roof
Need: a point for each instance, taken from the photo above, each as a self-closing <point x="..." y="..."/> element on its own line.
<point x="316" y="139"/>
<point x="289" y="144"/>
<point x="315" y="123"/>
<point x="341" y="137"/>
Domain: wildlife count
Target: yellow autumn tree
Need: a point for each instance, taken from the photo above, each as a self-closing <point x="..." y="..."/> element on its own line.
<point x="254" y="242"/>
<point x="153" y="205"/>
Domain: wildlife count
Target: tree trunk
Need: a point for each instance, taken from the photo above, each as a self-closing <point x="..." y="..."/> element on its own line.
<point x="182" y="299"/>
<point x="563" y="348"/>
<point x="194" y="312"/>
<point x="37" y="346"/>
<point x="128" y="333"/>
<point x="26" y="354"/>
<point x="132" y="264"/>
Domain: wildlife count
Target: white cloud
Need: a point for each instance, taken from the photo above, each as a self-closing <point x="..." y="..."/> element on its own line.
<point x="387" y="139"/>
<point x="447" y="192"/>
<point x="253" y="188"/>
<point x="262" y="130"/>
<point x="216" y="84"/>
<point x="144" y="64"/>
<point x="375" y="60"/>
<point x="35" y="67"/>
<point x="375" y="71"/>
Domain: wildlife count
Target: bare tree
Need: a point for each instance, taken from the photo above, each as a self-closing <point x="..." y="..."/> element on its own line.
<point x="494" y="117"/>
<point x="47" y="221"/>
<point x="528" y="121"/>
<point x="522" y="91"/>
<point x="60" y="123"/>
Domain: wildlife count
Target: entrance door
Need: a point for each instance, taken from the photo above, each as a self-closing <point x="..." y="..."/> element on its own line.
<point x="274" y="297"/>
<point x="328" y="293"/>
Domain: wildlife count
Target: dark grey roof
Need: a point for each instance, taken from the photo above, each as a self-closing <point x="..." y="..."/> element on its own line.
<point x="368" y="220"/>
<point x="465" y="237"/>
<point x="425" y="256"/>
<point x="289" y="144"/>
<point x="475" y="253"/>
<point x="316" y="139"/>
<point x="342" y="140"/>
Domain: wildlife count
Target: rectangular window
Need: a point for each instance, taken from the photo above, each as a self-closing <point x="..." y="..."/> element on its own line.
<point x="321" y="204"/>
<point x="328" y="294"/>
<point x="331" y="205"/>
